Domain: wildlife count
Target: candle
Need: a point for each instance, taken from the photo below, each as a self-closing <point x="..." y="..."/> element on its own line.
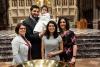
<point x="57" y="8"/>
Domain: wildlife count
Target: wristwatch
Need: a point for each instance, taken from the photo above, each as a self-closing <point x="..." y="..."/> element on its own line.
<point x="74" y="56"/>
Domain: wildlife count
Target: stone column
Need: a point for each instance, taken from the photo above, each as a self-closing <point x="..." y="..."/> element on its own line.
<point x="68" y="7"/>
<point x="3" y="14"/>
<point x="94" y="15"/>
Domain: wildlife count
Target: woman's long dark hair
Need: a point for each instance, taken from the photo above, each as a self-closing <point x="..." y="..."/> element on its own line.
<point x="67" y="23"/>
<point x="47" y="33"/>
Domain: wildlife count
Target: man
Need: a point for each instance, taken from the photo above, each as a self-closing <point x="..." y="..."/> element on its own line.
<point x="33" y="37"/>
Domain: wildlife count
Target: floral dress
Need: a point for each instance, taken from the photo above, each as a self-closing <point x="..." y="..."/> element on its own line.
<point x="69" y="40"/>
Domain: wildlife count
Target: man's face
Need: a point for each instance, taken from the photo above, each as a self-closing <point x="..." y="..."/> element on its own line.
<point x="35" y="12"/>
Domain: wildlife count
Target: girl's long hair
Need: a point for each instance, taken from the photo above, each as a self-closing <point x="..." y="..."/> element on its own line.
<point x="67" y="23"/>
<point x="47" y="33"/>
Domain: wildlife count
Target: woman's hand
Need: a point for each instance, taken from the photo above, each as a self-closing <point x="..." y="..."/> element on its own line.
<point x="73" y="60"/>
<point x="50" y="54"/>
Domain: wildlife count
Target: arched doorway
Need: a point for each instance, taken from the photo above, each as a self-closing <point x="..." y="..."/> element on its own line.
<point x="85" y="10"/>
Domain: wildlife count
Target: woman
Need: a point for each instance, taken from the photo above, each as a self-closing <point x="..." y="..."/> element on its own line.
<point x="20" y="45"/>
<point x="52" y="44"/>
<point x="69" y="41"/>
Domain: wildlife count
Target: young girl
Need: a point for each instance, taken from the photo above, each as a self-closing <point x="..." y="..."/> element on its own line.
<point x="44" y="19"/>
<point x="52" y="44"/>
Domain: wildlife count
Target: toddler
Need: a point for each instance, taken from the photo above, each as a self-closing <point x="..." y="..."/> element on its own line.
<point x="43" y="20"/>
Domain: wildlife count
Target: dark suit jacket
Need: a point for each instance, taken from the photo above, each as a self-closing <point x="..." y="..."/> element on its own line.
<point x="33" y="38"/>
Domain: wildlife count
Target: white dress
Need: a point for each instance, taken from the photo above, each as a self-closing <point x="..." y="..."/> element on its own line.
<point x="43" y="21"/>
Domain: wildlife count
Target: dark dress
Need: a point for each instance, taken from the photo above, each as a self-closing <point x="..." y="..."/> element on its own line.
<point x="34" y="38"/>
<point x="69" y="40"/>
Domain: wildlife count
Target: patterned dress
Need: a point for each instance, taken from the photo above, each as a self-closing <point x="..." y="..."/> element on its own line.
<point x="69" y="40"/>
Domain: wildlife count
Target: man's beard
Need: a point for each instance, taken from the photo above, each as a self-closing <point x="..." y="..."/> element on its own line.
<point x="36" y="18"/>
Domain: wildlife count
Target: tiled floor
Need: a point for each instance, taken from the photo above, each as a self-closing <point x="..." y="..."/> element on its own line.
<point x="90" y="62"/>
<point x="5" y="64"/>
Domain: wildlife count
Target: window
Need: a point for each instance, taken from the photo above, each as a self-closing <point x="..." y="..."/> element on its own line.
<point x="14" y="3"/>
<point x="14" y="20"/>
<point x="71" y="2"/>
<point x="21" y="2"/>
<point x="28" y="2"/>
<point x="64" y="2"/>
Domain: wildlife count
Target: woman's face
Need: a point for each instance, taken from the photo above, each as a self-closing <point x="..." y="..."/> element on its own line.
<point x="22" y="30"/>
<point x="51" y="28"/>
<point x="63" y="24"/>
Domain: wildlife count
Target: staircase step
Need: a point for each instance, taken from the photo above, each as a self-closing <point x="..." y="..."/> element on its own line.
<point x="5" y="49"/>
<point x="88" y="41"/>
<point x="88" y="56"/>
<point x="8" y="51"/>
<point x="87" y="37"/>
<point x="86" y="51"/>
<point x="5" y="41"/>
<point x="89" y="46"/>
